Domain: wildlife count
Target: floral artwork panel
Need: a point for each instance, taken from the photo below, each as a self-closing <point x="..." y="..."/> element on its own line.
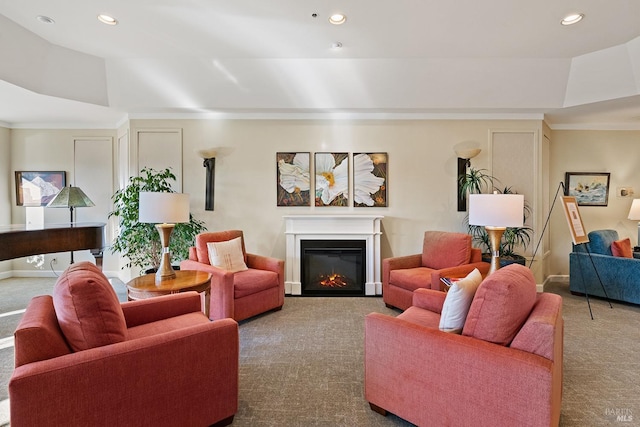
<point x="293" y="179"/>
<point x="332" y="179"/>
<point x="370" y="179"/>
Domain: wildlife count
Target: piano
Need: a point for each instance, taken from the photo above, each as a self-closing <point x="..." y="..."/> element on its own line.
<point x="19" y="241"/>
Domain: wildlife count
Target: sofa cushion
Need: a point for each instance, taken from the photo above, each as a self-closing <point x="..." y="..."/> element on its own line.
<point x="600" y="241"/>
<point x="457" y="302"/>
<point x="622" y="248"/>
<point x="442" y="249"/>
<point x="227" y="255"/>
<point x="252" y="281"/>
<point x="87" y="308"/>
<point x="501" y="305"/>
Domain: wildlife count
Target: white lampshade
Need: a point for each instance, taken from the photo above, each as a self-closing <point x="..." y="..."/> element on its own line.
<point x="496" y="210"/>
<point x="634" y="212"/>
<point x="165" y="208"/>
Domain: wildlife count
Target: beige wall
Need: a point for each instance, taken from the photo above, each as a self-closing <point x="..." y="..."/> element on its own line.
<point x="421" y="181"/>
<point x="617" y="152"/>
<point x="6" y="181"/>
<point x="422" y="170"/>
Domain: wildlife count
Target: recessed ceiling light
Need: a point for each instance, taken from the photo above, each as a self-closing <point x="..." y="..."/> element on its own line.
<point x="45" y="19"/>
<point x="336" y="45"/>
<point x="337" y="19"/>
<point x="572" y="19"/>
<point x="107" y="19"/>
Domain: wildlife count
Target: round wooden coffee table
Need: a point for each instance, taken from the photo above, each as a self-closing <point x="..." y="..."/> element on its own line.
<point x="186" y="280"/>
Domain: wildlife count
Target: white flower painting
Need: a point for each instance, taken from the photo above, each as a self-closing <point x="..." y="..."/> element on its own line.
<point x="332" y="179"/>
<point x="370" y="179"/>
<point x="293" y="179"/>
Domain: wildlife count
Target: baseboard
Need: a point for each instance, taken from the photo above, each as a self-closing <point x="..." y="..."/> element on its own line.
<point x="559" y="278"/>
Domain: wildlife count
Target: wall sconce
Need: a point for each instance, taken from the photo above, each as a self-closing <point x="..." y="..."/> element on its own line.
<point x="209" y="157"/>
<point x="464" y="161"/>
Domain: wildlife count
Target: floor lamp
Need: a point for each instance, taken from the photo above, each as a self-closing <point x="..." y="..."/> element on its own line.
<point x="634" y="215"/>
<point x="496" y="212"/>
<point x="71" y="197"/>
<point x="164" y="210"/>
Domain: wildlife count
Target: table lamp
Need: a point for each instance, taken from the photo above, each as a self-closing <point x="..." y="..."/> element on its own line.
<point x="70" y="197"/>
<point x="634" y="215"/>
<point x="164" y="210"/>
<point x="496" y="212"/>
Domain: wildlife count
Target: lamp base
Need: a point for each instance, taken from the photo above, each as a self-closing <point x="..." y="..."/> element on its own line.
<point x="495" y="235"/>
<point x="165" y="270"/>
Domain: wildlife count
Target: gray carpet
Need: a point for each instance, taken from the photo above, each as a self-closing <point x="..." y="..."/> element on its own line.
<point x="303" y="365"/>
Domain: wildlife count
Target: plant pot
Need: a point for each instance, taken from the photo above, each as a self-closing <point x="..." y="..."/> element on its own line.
<point x="504" y="261"/>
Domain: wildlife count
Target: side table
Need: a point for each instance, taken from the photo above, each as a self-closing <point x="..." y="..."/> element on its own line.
<point x="186" y="280"/>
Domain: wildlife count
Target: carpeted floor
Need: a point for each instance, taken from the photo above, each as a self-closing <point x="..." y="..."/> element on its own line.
<point x="303" y="365"/>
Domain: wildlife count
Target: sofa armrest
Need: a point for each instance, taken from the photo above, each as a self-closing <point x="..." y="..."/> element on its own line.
<point x="446" y="373"/>
<point x="159" y="308"/>
<point x="135" y="382"/>
<point x="429" y="299"/>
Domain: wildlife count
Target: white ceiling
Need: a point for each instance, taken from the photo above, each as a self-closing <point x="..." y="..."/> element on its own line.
<point x="251" y="58"/>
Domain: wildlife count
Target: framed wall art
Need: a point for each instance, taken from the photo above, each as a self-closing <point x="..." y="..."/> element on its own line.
<point x="38" y="188"/>
<point x="293" y="179"/>
<point x="332" y="179"/>
<point x="370" y="179"/>
<point x="589" y="188"/>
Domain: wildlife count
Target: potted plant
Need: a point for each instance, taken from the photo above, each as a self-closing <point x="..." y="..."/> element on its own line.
<point x="140" y="242"/>
<point x="477" y="181"/>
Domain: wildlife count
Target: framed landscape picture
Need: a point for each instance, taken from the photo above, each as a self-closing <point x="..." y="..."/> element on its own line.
<point x="370" y="179"/>
<point x="589" y="188"/>
<point x="293" y="179"/>
<point x="38" y="188"/>
<point x="332" y="179"/>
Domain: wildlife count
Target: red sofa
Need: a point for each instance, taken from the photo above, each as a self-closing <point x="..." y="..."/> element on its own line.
<point x="154" y="362"/>
<point x="242" y="294"/>
<point x="444" y="254"/>
<point x="505" y="369"/>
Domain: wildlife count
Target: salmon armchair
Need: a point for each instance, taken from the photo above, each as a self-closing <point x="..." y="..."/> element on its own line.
<point x="82" y="358"/>
<point x="241" y="294"/>
<point x="444" y="254"/>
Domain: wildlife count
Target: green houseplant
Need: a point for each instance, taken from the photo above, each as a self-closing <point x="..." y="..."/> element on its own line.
<point x="140" y="242"/>
<point x="477" y="181"/>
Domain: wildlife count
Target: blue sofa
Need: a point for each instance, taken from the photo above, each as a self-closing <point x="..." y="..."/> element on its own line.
<point x="620" y="276"/>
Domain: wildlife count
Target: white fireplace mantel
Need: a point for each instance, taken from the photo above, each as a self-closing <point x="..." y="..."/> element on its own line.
<point x="332" y="227"/>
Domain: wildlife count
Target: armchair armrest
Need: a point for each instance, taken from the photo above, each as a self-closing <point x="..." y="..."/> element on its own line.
<point x="407" y="261"/>
<point x="429" y="299"/>
<point x="193" y="253"/>
<point x="261" y="262"/>
<point x="158" y="308"/>
<point x="458" y="272"/>
<point x="134" y="382"/>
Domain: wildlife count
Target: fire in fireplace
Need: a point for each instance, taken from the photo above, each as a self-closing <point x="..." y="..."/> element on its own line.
<point x="332" y="267"/>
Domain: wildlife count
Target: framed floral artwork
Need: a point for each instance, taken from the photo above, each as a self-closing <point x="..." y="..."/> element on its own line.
<point x="370" y="179"/>
<point x="293" y="179"/>
<point x="589" y="188"/>
<point x="332" y="179"/>
<point x="38" y="188"/>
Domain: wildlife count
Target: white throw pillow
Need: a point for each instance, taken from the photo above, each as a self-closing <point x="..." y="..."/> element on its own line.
<point x="457" y="302"/>
<point x="227" y="255"/>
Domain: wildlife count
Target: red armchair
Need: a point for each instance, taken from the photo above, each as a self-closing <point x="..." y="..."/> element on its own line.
<point x="505" y="369"/>
<point x="154" y="362"/>
<point x="241" y="294"/>
<point x="444" y="254"/>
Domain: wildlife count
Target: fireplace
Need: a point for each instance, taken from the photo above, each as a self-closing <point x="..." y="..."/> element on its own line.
<point x="332" y="267"/>
<point x="345" y="227"/>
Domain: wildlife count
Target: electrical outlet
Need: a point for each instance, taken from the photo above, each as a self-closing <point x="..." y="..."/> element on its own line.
<point x="54" y="260"/>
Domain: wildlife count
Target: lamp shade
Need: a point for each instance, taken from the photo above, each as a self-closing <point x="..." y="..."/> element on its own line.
<point x="70" y="197"/>
<point x="496" y="210"/>
<point x="634" y="212"/>
<point x="162" y="207"/>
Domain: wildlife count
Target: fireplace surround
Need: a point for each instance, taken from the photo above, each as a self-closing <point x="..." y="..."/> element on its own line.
<point x="333" y="227"/>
